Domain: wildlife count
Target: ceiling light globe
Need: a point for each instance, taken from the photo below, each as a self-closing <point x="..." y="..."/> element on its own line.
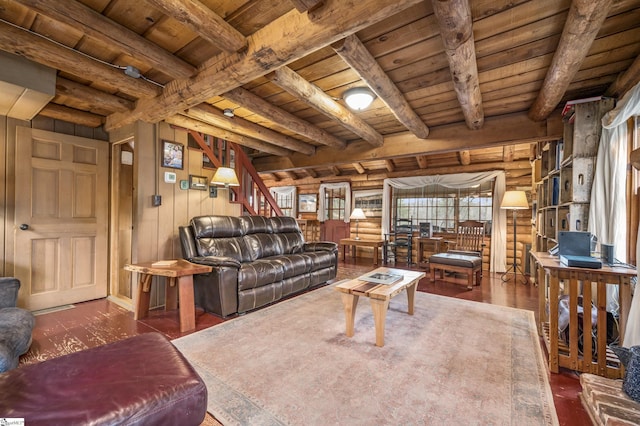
<point x="358" y="98"/>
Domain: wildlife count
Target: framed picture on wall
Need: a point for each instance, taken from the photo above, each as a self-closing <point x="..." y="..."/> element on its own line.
<point x="172" y="155"/>
<point x="307" y="203"/>
<point x="369" y="201"/>
<point x="198" y="182"/>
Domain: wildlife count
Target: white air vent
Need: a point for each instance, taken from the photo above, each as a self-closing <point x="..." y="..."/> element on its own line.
<point x="25" y="87"/>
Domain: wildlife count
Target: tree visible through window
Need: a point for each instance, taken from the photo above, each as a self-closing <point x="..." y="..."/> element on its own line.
<point x="444" y="207"/>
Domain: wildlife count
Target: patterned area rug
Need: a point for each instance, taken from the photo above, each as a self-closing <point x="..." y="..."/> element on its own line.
<point x="452" y="362"/>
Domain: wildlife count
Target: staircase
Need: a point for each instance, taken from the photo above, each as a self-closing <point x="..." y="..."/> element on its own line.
<point x="252" y="194"/>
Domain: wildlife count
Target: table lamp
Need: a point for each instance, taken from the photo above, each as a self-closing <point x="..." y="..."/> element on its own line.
<point x="357" y="214"/>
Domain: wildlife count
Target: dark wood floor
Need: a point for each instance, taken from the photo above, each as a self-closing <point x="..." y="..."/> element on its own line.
<point x="99" y="322"/>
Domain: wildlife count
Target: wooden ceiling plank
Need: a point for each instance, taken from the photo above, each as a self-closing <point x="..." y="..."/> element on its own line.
<point x="71" y="115"/>
<point x="335" y="170"/>
<point x="359" y="168"/>
<point x="422" y="161"/>
<point x="309" y="93"/>
<point x="259" y="106"/>
<point x="311" y="172"/>
<point x="99" y="27"/>
<point x="215" y="117"/>
<point x="44" y="52"/>
<point x="268" y="49"/>
<point x="583" y="23"/>
<point x="454" y="18"/>
<point x="205" y="22"/>
<point x="358" y="57"/>
<point x="199" y="126"/>
<point x="93" y="98"/>
<point x="389" y="165"/>
<point x="306" y="5"/>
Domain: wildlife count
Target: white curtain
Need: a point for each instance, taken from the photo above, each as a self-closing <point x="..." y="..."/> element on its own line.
<point x="607" y="213"/>
<point x="286" y="191"/>
<point x="459" y="180"/>
<point x="322" y="211"/>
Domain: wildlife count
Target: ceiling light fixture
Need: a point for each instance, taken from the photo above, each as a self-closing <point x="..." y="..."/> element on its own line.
<point x="358" y="98"/>
<point x="228" y="112"/>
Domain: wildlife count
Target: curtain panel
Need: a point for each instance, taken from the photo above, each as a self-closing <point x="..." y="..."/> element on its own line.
<point x="459" y="180"/>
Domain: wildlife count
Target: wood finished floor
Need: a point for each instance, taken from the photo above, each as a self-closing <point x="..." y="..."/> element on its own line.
<point x="99" y="322"/>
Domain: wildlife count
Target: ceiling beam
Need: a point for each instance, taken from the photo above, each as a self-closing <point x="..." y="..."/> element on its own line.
<point x="306" y="5"/>
<point x="99" y="27"/>
<point x="583" y="23"/>
<point x="389" y="165"/>
<point x="313" y="96"/>
<point x="209" y="114"/>
<point x="20" y="42"/>
<point x="356" y="55"/>
<point x="359" y="168"/>
<point x="269" y="48"/>
<point x="625" y="81"/>
<point x="497" y="131"/>
<point x="208" y="129"/>
<point x="93" y="99"/>
<point x="283" y="118"/>
<point x="335" y="170"/>
<point x="465" y="157"/>
<point x="454" y="19"/>
<point x="71" y="115"/>
<point x="312" y="173"/>
<point x="206" y="23"/>
<point x="422" y="161"/>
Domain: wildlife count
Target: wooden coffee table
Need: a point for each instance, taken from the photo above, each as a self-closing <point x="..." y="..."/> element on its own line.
<point x="379" y="295"/>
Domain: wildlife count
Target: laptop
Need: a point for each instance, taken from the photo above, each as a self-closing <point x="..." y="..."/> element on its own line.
<point x="575" y="250"/>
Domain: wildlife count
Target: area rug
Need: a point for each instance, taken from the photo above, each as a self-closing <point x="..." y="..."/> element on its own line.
<point x="453" y="362"/>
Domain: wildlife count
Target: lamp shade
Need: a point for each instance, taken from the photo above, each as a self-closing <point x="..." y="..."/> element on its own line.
<point x="225" y="176"/>
<point x="358" y="98"/>
<point x="514" y="200"/>
<point x="357" y="214"/>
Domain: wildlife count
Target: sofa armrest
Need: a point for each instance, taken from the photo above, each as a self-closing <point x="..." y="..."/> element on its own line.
<point x="321" y="246"/>
<point x="216" y="261"/>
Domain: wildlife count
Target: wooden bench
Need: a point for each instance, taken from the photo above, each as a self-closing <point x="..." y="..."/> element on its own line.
<point x="606" y="402"/>
<point x="458" y="263"/>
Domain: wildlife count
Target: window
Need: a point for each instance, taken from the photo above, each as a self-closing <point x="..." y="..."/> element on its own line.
<point x="335" y="203"/>
<point x="285" y="202"/>
<point x="444" y="207"/>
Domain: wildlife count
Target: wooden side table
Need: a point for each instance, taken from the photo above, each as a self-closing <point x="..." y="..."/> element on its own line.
<point x="432" y="244"/>
<point x="183" y="271"/>
<point x="376" y="244"/>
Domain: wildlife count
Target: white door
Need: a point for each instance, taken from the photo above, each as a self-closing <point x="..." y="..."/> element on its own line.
<point x="61" y="214"/>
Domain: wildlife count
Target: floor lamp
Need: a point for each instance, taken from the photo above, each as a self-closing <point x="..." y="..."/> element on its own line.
<point x="514" y="200"/>
<point x="357" y="214"/>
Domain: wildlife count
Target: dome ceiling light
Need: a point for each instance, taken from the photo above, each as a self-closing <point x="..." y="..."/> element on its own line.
<point x="228" y="112"/>
<point x="358" y="98"/>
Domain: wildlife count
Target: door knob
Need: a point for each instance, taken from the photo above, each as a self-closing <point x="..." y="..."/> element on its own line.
<point x="24" y="227"/>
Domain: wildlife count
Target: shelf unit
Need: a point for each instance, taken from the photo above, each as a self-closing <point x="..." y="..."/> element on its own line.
<point x="564" y="170"/>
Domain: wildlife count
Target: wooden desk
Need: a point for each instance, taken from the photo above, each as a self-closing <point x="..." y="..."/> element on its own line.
<point x="376" y="244"/>
<point x="183" y="271"/>
<point x="550" y="274"/>
<point x="379" y="295"/>
<point x="433" y="245"/>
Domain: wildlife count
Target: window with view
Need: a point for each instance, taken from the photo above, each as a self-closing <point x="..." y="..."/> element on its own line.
<point x="444" y="207"/>
<point x="285" y="202"/>
<point x="334" y="201"/>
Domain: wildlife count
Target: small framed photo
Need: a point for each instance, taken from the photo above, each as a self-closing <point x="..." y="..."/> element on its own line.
<point x="198" y="182"/>
<point x="307" y="203"/>
<point x="172" y="155"/>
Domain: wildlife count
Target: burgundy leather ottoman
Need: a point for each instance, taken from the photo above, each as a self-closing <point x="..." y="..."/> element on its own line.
<point x="143" y="380"/>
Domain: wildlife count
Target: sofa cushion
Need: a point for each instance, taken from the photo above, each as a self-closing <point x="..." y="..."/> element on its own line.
<point x="258" y="273"/>
<point x="293" y="264"/>
<point x="216" y="226"/>
<point x="284" y="224"/>
<point x="291" y="242"/>
<point x="455" y="259"/>
<point x="259" y="246"/>
<point x="256" y="224"/>
<point x="320" y="259"/>
<point x="16" y="325"/>
<point x="235" y="248"/>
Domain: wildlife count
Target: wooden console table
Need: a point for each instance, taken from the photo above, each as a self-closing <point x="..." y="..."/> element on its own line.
<point x="578" y="281"/>
<point x="376" y="244"/>
<point x="433" y="245"/>
<point x="183" y="271"/>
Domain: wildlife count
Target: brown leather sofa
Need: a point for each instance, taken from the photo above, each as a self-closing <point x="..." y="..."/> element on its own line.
<point x="256" y="260"/>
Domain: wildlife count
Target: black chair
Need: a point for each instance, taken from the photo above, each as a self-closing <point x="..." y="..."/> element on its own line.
<point x="400" y="238"/>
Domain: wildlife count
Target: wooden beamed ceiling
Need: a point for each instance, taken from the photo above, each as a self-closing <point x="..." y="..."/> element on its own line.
<point x="458" y="82"/>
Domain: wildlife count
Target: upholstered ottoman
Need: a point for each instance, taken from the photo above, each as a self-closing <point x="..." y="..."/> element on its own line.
<point x="454" y="262"/>
<point x="143" y="380"/>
